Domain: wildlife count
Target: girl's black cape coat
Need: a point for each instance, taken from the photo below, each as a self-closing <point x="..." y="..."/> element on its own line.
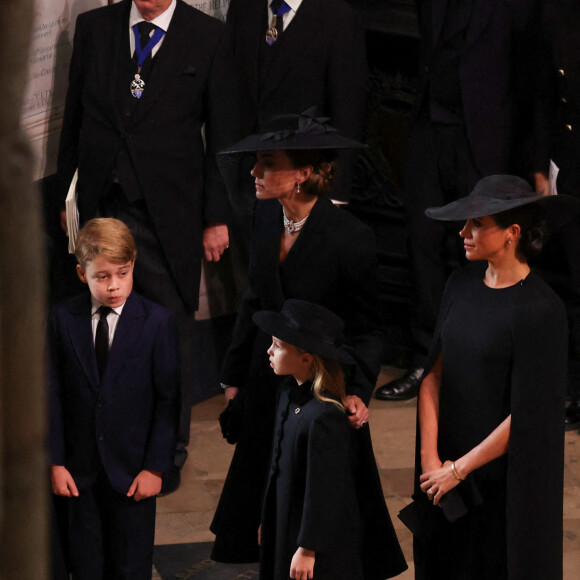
<point x="324" y="494"/>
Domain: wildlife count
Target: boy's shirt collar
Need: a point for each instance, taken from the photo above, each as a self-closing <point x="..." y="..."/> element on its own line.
<point x="95" y="305"/>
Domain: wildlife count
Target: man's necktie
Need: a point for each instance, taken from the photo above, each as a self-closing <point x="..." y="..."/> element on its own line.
<point x="102" y="339"/>
<point x="278" y="8"/>
<point x="145" y="29"/>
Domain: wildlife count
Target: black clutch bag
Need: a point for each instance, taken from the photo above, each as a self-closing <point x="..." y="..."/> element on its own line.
<point x="423" y="519"/>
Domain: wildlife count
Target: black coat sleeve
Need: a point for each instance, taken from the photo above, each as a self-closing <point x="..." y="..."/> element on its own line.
<point x="359" y="288"/>
<point x="239" y="354"/>
<point x="546" y="96"/>
<point x="328" y="488"/>
<point x="222" y="127"/>
<point x="536" y="447"/>
<point x="68" y="152"/>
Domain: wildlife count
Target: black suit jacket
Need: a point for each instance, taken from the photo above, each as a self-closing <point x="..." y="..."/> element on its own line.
<point x="191" y="84"/>
<point x="332" y="263"/>
<point x="494" y="73"/>
<point x="557" y="123"/>
<point x="127" y="421"/>
<point x="319" y="59"/>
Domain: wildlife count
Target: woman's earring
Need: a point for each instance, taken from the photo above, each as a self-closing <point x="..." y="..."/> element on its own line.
<point x="297" y="187"/>
<point x="509" y="242"/>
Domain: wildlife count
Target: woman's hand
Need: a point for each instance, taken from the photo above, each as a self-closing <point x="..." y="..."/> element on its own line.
<point x="359" y="413"/>
<point x="432" y="464"/>
<point x="230" y="393"/>
<point x="302" y="565"/>
<point x="438" y="482"/>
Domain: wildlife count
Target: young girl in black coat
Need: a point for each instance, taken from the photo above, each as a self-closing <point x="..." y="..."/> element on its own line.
<point x="312" y="519"/>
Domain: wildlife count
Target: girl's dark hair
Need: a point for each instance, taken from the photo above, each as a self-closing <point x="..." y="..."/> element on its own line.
<point x="534" y="229"/>
<point x="324" y="165"/>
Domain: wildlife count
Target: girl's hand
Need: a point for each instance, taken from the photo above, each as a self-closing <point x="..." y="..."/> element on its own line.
<point x="302" y="565"/>
<point x="438" y="482"/>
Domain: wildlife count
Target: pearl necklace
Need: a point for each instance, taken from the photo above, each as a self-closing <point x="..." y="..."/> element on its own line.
<point x="292" y="227"/>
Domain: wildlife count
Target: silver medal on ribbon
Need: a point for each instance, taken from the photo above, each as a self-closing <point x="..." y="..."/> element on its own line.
<point x="137" y="86"/>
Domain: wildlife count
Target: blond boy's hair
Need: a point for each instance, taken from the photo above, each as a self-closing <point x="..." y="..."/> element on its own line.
<point x="107" y="237"/>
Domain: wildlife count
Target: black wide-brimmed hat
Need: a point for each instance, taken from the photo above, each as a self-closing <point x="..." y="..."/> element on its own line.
<point x="302" y="131"/>
<point x="291" y="131"/>
<point x="498" y="193"/>
<point x="308" y="326"/>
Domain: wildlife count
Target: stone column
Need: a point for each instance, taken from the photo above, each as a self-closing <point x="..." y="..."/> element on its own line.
<point x="23" y="474"/>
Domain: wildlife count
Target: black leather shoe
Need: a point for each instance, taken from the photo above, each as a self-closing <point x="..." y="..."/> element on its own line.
<point x="401" y="389"/>
<point x="171" y="481"/>
<point x="572" y="417"/>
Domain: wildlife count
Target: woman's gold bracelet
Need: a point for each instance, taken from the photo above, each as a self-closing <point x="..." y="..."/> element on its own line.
<point x="454" y="471"/>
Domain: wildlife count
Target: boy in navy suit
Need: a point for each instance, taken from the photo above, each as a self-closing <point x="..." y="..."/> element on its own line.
<point x="114" y="408"/>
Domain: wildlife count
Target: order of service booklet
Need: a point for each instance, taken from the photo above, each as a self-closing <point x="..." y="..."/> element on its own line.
<point x="72" y="213"/>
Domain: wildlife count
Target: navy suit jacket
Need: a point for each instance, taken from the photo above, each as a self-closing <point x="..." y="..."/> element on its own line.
<point x="557" y="123"/>
<point x="127" y="421"/>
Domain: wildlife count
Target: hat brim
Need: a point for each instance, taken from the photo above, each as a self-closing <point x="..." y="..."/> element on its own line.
<point x="559" y="210"/>
<point x="274" y="323"/>
<point x="235" y="170"/>
<point x="282" y="140"/>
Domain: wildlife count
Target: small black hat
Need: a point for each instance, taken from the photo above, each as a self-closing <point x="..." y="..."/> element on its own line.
<point x="498" y="193"/>
<point x="308" y="326"/>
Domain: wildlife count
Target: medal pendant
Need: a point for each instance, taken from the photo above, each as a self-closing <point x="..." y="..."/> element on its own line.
<point x="137" y="86"/>
<point x="271" y="35"/>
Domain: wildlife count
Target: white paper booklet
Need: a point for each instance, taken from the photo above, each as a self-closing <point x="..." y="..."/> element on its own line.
<point x="72" y="213"/>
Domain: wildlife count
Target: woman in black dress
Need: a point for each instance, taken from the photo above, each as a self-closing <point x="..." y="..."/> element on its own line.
<point x="303" y="247"/>
<point x="491" y="438"/>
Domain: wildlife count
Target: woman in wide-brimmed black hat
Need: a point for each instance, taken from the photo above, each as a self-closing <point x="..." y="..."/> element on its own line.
<point x="489" y="466"/>
<point x="303" y="247"/>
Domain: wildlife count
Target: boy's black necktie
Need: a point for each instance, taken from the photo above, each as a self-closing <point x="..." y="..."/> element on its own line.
<point x="102" y="339"/>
